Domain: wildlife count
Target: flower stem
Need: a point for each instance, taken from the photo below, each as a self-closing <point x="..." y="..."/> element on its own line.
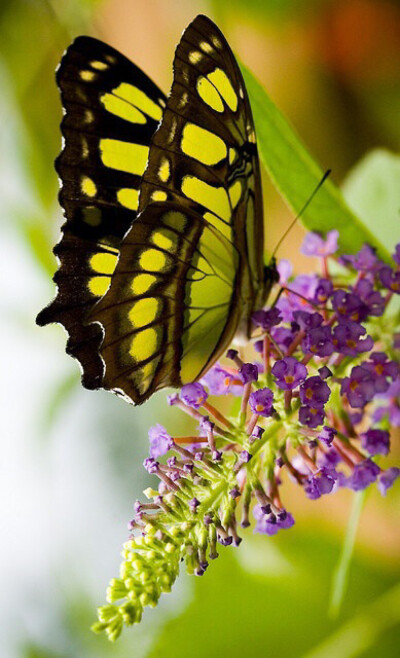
<point x="341" y="573"/>
<point x="217" y="414"/>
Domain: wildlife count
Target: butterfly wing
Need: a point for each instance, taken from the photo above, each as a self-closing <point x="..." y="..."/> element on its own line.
<point x="112" y="110"/>
<point x="169" y="299"/>
<point x="179" y="290"/>
<point x="204" y="153"/>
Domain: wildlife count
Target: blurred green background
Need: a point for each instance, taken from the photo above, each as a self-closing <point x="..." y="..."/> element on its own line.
<point x="71" y="459"/>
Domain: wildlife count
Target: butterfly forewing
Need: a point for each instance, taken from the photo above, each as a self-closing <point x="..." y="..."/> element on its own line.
<point x="207" y="272"/>
<point x="204" y="154"/>
<point x="111" y="112"/>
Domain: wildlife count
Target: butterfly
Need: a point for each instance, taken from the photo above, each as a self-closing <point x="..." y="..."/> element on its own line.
<point x="161" y="255"/>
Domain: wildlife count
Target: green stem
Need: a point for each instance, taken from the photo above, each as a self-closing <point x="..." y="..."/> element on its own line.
<point x="341" y="573"/>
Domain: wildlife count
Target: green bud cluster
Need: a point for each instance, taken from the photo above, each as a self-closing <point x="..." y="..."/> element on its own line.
<point x="149" y="568"/>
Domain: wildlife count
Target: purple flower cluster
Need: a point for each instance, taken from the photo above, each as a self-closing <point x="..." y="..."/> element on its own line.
<point x="315" y="341"/>
<point x="314" y="405"/>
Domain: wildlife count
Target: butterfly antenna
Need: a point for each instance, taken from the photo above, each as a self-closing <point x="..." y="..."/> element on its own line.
<point x="307" y="203"/>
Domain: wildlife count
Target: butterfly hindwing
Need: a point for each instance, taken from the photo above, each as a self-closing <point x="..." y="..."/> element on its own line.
<point x="111" y="112"/>
<point x="169" y="301"/>
<point x="203" y="170"/>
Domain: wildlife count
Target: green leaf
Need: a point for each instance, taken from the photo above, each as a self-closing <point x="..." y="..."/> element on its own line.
<point x="372" y="189"/>
<point x="296" y="175"/>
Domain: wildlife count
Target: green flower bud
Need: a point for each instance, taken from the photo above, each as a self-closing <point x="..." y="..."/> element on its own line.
<point x="170" y="548"/>
<point x="150" y="493"/>
<point x="106" y="613"/>
<point x="114" y="629"/>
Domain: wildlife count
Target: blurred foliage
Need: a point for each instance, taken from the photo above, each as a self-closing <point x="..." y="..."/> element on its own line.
<point x="271" y="9"/>
<point x="33" y="35"/>
<point x="297" y="175"/>
<point x="272" y="603"/>
<point x="372" y="189"/>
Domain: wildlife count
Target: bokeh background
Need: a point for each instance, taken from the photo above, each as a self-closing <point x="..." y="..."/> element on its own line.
<point x="71" y="459"/>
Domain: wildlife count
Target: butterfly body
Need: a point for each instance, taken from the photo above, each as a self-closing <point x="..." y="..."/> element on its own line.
<point x="162" y="252"/>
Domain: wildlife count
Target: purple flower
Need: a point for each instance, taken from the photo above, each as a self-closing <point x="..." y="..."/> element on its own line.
<point x="396" y="255"/>
<point x="314" y="392"/>
<point x="193" y="504"/>
<point x="257" y="432"/>
<point x="363" y="475"/>
<point x="249" y="372"/>
<point x="349" y="305"/>
<point x="160" y="441"/>
<point x="380" y="368"/>
<point x="259" y="346"/>
<point x="315" y="245"/>
<point x="245" y="457"/>
<point x="216" y="455"/>
<point x="390" y="279"/>
<point x="324" y="372"/>
<point x="330" y="459"/>
<point x="289" y="373"/>
<point x="387" y="478"/>
<point x="376" y="442"/>
<point x="356" y="417"/>
<point x="221" y="382"/>
<point x="282" y="336"/>
<point x="269" y="524"/>
<point x="372" y="299"/>
<point x="151" y="465"/>
<point x="323" y="291"/>
<point x="261" y="402"/>
<point x="326" y="435"/>
<point x="307" y="320"/>
<point x="303" y="288"/>
<point x="318" y="341"/>
<point x="285" y="270"/>
<point x="232" y="354"/>
<point x="320" y="483"/>
<point x="193" y="395"/>
<point x="364" y="261"/>
<point x="267" y="319"/>
<point x="359" y="387"/>
<point x="311" y="416"/>
<point x="391" y="409"/>
<point x="347" y="338"/>
<point x="206" y="425"/>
